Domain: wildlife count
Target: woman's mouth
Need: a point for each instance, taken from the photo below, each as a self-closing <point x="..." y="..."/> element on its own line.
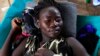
<point x="56" y="30"/>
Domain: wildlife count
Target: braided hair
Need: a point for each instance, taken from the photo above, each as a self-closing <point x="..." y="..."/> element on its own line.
<point x="34" y="13"/>
<point x="44" y="4"/>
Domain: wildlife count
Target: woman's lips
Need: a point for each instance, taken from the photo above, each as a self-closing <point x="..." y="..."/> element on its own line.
<point x="56" y="30"/>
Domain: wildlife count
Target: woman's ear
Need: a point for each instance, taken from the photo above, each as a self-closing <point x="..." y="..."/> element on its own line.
<point x="37" y="24"/>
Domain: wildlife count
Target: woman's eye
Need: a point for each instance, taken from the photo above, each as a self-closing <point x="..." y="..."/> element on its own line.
<point x="47" y="20"/>
<point x="58" y="19"/>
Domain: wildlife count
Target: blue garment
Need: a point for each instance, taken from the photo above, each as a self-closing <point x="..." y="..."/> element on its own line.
<point x="15" y="10"/>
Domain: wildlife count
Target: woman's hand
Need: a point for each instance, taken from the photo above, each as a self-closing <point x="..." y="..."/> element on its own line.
<point x="44" y="52"/>
<point x="16" y="23"/>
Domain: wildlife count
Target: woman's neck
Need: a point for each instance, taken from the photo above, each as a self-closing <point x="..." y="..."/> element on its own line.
<point x="45" y="38"/>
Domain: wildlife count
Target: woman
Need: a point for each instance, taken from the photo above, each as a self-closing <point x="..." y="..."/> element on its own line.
<point x="50" y="40"/>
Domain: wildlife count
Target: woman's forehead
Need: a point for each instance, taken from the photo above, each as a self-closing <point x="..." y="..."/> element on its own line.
<point x="50" y="9"/>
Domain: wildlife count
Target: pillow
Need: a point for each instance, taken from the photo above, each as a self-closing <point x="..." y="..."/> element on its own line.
<point x="69" y="14"/>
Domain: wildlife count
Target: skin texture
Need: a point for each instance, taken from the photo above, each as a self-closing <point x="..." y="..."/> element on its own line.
<point x="50" y="24"/>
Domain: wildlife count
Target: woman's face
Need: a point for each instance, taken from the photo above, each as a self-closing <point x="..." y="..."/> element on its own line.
<point x="50" y="22"/>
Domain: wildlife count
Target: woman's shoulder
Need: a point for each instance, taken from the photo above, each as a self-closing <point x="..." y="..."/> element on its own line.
<point x="77" y="47"/>
<point x="72" y="41"/>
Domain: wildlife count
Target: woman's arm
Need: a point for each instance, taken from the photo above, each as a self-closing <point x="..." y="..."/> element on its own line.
<point x="6" y="49"/>
<point x="77" y="48"/>
<point x="8" y="43"/>
<point x="20" y="50"/>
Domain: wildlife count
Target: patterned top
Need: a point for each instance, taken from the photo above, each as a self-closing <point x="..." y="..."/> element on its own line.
<point x="58" y="46"/>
